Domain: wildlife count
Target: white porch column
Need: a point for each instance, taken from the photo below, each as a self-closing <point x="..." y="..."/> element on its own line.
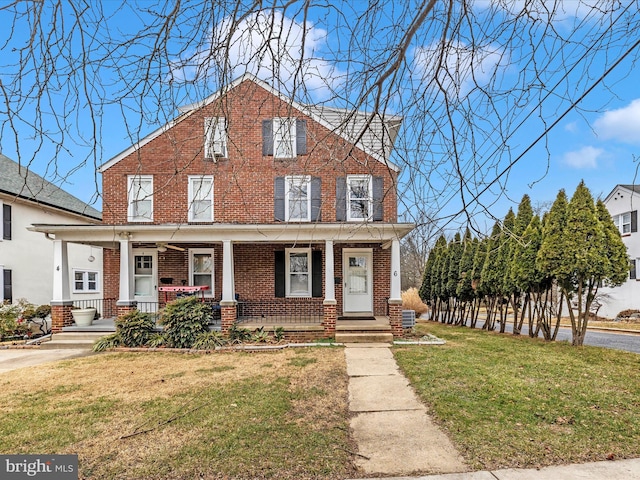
<point x="61" y="291"/>
<point x="127" y="292"/>
<point x="395" y="292"/>
<point x="329" y="286"/>
<point x="228" y="280"/>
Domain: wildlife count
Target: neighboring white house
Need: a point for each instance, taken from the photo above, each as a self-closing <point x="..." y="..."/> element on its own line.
<point x="623" y="203"/>
<point x="26" y="257"/>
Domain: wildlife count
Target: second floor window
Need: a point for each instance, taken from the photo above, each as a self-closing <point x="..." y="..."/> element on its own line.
<point x="359" y="201"/>
<point x="626" y="222"/>
<point x="284" y="137"/>
<point x="201" y="198"/>
<point x="297" y="198"/>
<point x="140" y="198"/>
<point x="215" y="134"/>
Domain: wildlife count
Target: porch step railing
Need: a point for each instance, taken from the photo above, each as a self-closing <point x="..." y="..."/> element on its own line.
<point x="106" y="307"/>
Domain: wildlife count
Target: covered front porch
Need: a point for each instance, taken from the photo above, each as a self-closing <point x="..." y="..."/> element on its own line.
<point x="299" y="277"/>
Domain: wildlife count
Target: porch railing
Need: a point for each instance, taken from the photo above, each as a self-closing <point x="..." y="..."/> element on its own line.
<point x="279" y="311"/>
<point x="106" y="307"/>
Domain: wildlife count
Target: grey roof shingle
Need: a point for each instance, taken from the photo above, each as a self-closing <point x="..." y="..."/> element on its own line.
<point x="23" y="183"/>
<point x="633" y="188"/>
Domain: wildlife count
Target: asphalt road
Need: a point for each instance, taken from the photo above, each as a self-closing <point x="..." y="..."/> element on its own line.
<point x="618" y="341"/>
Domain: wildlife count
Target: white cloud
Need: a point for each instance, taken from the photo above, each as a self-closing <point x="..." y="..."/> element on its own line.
<point x="571" y="127"/>
<point x="560" y="11"/>
<point x="459" y="66"/>
<point x="268" y="45"/>
<point x="622" y="124"/>
<point x="586" y="157"/>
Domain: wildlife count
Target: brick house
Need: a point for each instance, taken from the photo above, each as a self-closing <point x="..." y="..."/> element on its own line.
<point x="283" y="213"/>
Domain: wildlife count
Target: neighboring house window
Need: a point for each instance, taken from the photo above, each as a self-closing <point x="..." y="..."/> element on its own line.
<point x="298" y="272"/>
<point x="201" y="198"/>
<point x="297" y="199"/>
<point x="201" y="268"/>
<point x="284" y="137"/>
<point x="632" y="269"/>
<point x="626" y="222"/>
<point x="6" y="222"/>
<point x="85" y="281"/>
<point x="359" y="198"/>
<point x="215" y="133"/>
<point x="6" y="291"/>
<point x="140" y="198"/>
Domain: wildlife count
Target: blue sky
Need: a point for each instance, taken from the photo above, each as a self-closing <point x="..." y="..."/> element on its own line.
<point x="597" y="141"/>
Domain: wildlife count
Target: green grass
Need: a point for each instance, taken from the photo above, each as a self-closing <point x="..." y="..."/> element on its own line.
<point x="511" y="401"/>
<point x="169" y="416"/>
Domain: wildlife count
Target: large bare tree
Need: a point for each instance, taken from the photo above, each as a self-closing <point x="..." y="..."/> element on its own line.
<point x="478" y="83"/>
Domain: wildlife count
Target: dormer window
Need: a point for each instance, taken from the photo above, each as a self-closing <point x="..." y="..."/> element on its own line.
<point x="284" y="137"/>
<point x="215" y="133"/>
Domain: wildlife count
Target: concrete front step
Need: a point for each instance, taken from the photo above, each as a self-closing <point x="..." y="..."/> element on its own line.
<point x="72" y="340"/>
<point x="364" y="337"/>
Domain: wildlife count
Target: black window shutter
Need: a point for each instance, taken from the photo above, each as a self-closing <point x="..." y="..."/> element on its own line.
<point x="8" y="290"/>
<point x="267" y="137"/>
<point x="278" y="201"/>
<point x="341" y="199"/>
<point x="316" y="199"/>
<point x="279" y="273"/>
<point x="301" y="137"/>
<point x="634" y="221"/>
<point x="6" y="222"/>
<point x="378" y="196"/>
<point x="316" y="273"/>
<point x="632" y="270"/>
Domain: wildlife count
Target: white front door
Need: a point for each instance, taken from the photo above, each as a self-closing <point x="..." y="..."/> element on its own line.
<point x="357" y="270"/>
<point x="145" y="279"/>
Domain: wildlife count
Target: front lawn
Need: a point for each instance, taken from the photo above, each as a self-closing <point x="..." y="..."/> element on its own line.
<point x="513" y="402"/>
<point x="269" y="415"/>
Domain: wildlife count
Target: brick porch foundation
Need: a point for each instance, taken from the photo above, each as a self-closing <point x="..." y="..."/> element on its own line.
<point x="330" y="317"/>
<point x="395" y="317"/>
<point x="228" y="315"/>
<point x="61" y="316"/>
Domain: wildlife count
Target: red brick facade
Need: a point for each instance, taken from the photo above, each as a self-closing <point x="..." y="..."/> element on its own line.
<point x="244" y="181"/>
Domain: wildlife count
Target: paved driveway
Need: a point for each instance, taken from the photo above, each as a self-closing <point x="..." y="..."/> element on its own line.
<point x="14" y="358"/>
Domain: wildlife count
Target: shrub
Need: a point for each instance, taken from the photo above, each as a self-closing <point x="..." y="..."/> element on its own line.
<point x="184" y="319"/>
<point x="209" y="341"/>
<point x="411" y="301"/>
<point x="135" y="328"/>
<point x="11" y="324"/>
<point x="157" y="340"/>
<point x="43" y="311"/>
<point x="238" y="334"/>
<point x="104" y="343"/>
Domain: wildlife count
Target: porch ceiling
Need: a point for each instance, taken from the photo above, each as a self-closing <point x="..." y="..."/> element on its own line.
<point x="108" y="236"/>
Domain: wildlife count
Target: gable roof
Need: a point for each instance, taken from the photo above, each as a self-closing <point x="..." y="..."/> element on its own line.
<point x="630" y="188"/>
<point x="372" y="133"/>
<point x="21" y="182"/>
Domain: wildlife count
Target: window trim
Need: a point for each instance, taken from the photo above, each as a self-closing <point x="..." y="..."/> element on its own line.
<point x="287" y="273"/>
<point x="199" y="251"/>
<point x="191" y="192"/>
<point x="131" y="179"/>
<point x="215" y="133"/>
<point x="278" y="137"/>
<point x="288" y="181"/>
<point x="85" y="280"/>
<point x="369" y="179"/>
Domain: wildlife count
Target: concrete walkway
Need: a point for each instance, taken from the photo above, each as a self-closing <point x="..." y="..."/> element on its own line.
<point x="395" y="436"/>
<point x="14" y="358"/>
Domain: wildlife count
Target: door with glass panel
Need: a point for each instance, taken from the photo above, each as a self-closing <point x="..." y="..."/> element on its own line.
<point x="357" y="271"/>
<point x="145" y="279"/>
